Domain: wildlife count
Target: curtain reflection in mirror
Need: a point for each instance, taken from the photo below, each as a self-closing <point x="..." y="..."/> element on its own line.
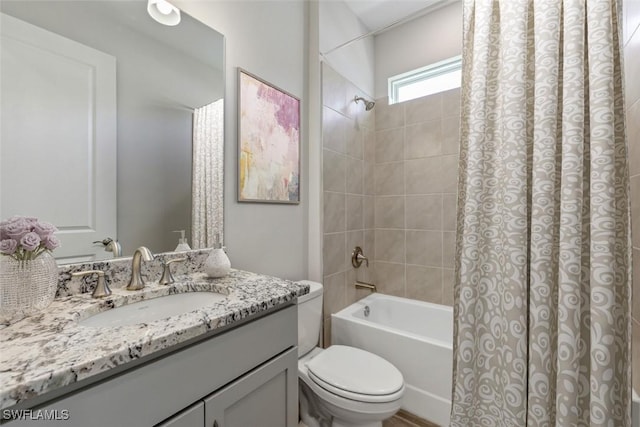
<point x="208" y="140"/>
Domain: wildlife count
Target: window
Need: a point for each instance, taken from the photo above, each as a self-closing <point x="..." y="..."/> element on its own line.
<point x="434" y="78"/>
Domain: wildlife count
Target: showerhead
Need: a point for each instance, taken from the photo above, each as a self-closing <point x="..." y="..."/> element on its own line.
<point x="368" y="105"/>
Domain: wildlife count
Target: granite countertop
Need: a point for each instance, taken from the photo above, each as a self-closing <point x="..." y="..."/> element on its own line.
<point x="51" y="350"/>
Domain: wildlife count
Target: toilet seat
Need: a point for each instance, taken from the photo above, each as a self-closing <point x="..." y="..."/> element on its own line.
<point x="356" y="374"/>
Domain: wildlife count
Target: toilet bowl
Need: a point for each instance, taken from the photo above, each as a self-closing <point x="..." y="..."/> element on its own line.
<point x="341" y="386"/>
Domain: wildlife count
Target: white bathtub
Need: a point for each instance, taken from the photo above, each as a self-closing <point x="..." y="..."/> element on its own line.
<point x="417" y="337"/>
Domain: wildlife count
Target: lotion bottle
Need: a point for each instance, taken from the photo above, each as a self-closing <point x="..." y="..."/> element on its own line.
<point x="182" y="242"/>
<point x="217" y="263"/>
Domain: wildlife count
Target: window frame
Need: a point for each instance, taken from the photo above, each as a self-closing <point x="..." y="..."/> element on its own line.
<point x="397" y="82"/>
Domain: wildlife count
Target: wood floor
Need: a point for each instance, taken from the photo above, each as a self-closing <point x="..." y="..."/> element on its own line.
<point x="401" y="419"/>
<point x="406" y="419"/>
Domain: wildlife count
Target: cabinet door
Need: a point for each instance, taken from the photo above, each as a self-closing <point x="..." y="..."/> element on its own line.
<point x="265" y="397"/>
<point x="193" y="416"/>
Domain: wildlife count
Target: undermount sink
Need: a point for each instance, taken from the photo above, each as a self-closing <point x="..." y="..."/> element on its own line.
<point x="152" y="309"/>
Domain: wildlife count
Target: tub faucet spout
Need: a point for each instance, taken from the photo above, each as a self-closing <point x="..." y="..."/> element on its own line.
<point x="137" y="282"/>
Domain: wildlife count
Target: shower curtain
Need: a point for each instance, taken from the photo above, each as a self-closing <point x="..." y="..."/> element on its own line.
<point x="208" y="146"/>
<point x="542" y="295"/>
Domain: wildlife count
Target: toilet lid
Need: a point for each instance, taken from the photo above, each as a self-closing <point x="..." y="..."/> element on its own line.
<point x="355" y="371"/>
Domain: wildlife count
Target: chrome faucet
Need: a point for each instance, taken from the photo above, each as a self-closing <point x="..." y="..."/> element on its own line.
<point x="111" y="245"/>
<point x="136" y="282"/>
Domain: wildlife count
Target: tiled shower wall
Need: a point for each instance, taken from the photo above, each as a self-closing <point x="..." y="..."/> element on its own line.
<point x="631" y="42"/>
<point x="347" y="175"/>
<point x="416" y="168"/>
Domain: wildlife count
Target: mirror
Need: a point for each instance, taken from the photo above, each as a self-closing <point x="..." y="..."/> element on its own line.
<point x="157" y="77"/>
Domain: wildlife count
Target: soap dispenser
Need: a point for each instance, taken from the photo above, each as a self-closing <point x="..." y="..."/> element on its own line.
<point x="182" y="242"/>
<point x="217" y="263"/>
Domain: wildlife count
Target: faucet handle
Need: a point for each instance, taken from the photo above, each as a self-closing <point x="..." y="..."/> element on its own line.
<point x="102" y="289"/>
<point x="167" y="277"/>
<point x="357" y="257"/>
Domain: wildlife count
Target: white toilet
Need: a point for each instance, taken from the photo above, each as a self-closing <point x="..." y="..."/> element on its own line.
<point x="341" y="386"/>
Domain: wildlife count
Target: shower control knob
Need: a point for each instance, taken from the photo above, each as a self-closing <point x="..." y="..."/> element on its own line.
<point x="357" y="257"/>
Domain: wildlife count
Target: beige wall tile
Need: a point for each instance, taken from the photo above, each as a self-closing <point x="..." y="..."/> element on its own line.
<point x="633" y="135"/>
<point x="334" y="167"/>
<point x="369" y="144"/>
<point x="448" y="281"/>
<point x="424" y="108"/>
<point x="334" y="212"/>
<point x="389" y="246"/>
<point x="369" y="249"/>
<point x="423" y="140"/>
<point x="354" y="137"/>
<point x="635" y="210"/>
<point x="424" y="248"/>
<point x="448" y="249"/>
<point x="333" y="130"/>
<point x="389" y="212"/>
<point x="632" y="69"/>
<point x="326" y="332"/>
<point x="431" y="175"/>
<point x="369" y="179"/>
<point x="388" y="116"/>
<point x="333" y="88"/>
<point x="334" y="293"/>
<point x="636" y="285"/>
<point x="635" y="355"/>
<point x="424" y="283"/>
<point x="424" y="212"/>
<point x="632" y="15"/>
<point x="390" y="278"/>
<point x="389" y="145"/>
<point x="389" y="178"/>
<point x="449" y="203"/>
<point x="369" y="212"/>
<point x="450" y="135"/>
<point x="333" y="253"/>
<point x="355" y="175"/>
<point x="355" y="214"/>
<point x="451" y="103"/>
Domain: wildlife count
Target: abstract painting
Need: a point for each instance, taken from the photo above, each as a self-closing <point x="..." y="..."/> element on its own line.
<point x="268" y="142"/>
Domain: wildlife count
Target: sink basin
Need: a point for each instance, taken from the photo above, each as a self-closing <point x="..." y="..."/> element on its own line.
<point x="152" y="309"/>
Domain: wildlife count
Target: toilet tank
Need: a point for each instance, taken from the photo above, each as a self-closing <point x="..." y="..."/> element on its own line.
<point x="309" y="317"/>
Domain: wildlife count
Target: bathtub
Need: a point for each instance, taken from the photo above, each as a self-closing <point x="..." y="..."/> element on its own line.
<point x="417" y="337"/>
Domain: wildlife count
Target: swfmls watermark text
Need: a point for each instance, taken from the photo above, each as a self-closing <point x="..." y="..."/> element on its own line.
<point x="36" y="414"/>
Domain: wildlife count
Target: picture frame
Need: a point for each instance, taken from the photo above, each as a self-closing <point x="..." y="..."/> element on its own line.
<point x="268" y="142"/>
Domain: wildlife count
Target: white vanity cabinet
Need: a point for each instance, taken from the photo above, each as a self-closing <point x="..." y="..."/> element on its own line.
<point x="257" y="399"/>
<point x="191" y="417"/>
<point x="260" y="398"/>
<point x="245" y="377"/>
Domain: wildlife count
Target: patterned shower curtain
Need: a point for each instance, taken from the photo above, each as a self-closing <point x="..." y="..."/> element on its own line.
<point x="208" y="174"/>
<point x="542" y="296"/>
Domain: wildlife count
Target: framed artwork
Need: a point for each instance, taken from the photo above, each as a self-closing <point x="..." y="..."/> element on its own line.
<point x="268" y="142"/>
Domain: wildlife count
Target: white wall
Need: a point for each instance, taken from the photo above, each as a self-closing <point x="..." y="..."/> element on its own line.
<point x="355" y="61"/>
<point x="268" y="39"/>
<point x="423" y="41"/>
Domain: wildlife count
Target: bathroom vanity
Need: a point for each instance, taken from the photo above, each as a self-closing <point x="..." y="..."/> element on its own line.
<point x="231" y="363"/>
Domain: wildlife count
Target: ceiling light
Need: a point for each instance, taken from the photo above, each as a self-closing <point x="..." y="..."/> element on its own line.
<point x="163" y="12"/>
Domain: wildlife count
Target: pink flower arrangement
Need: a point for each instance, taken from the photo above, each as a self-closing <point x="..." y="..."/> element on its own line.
<point x="25" y="238"/>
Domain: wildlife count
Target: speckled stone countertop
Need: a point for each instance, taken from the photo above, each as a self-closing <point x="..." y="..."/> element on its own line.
<point x="51" y="350"/>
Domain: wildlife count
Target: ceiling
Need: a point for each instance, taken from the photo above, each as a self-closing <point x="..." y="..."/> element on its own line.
<point x="379" y="14"/>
